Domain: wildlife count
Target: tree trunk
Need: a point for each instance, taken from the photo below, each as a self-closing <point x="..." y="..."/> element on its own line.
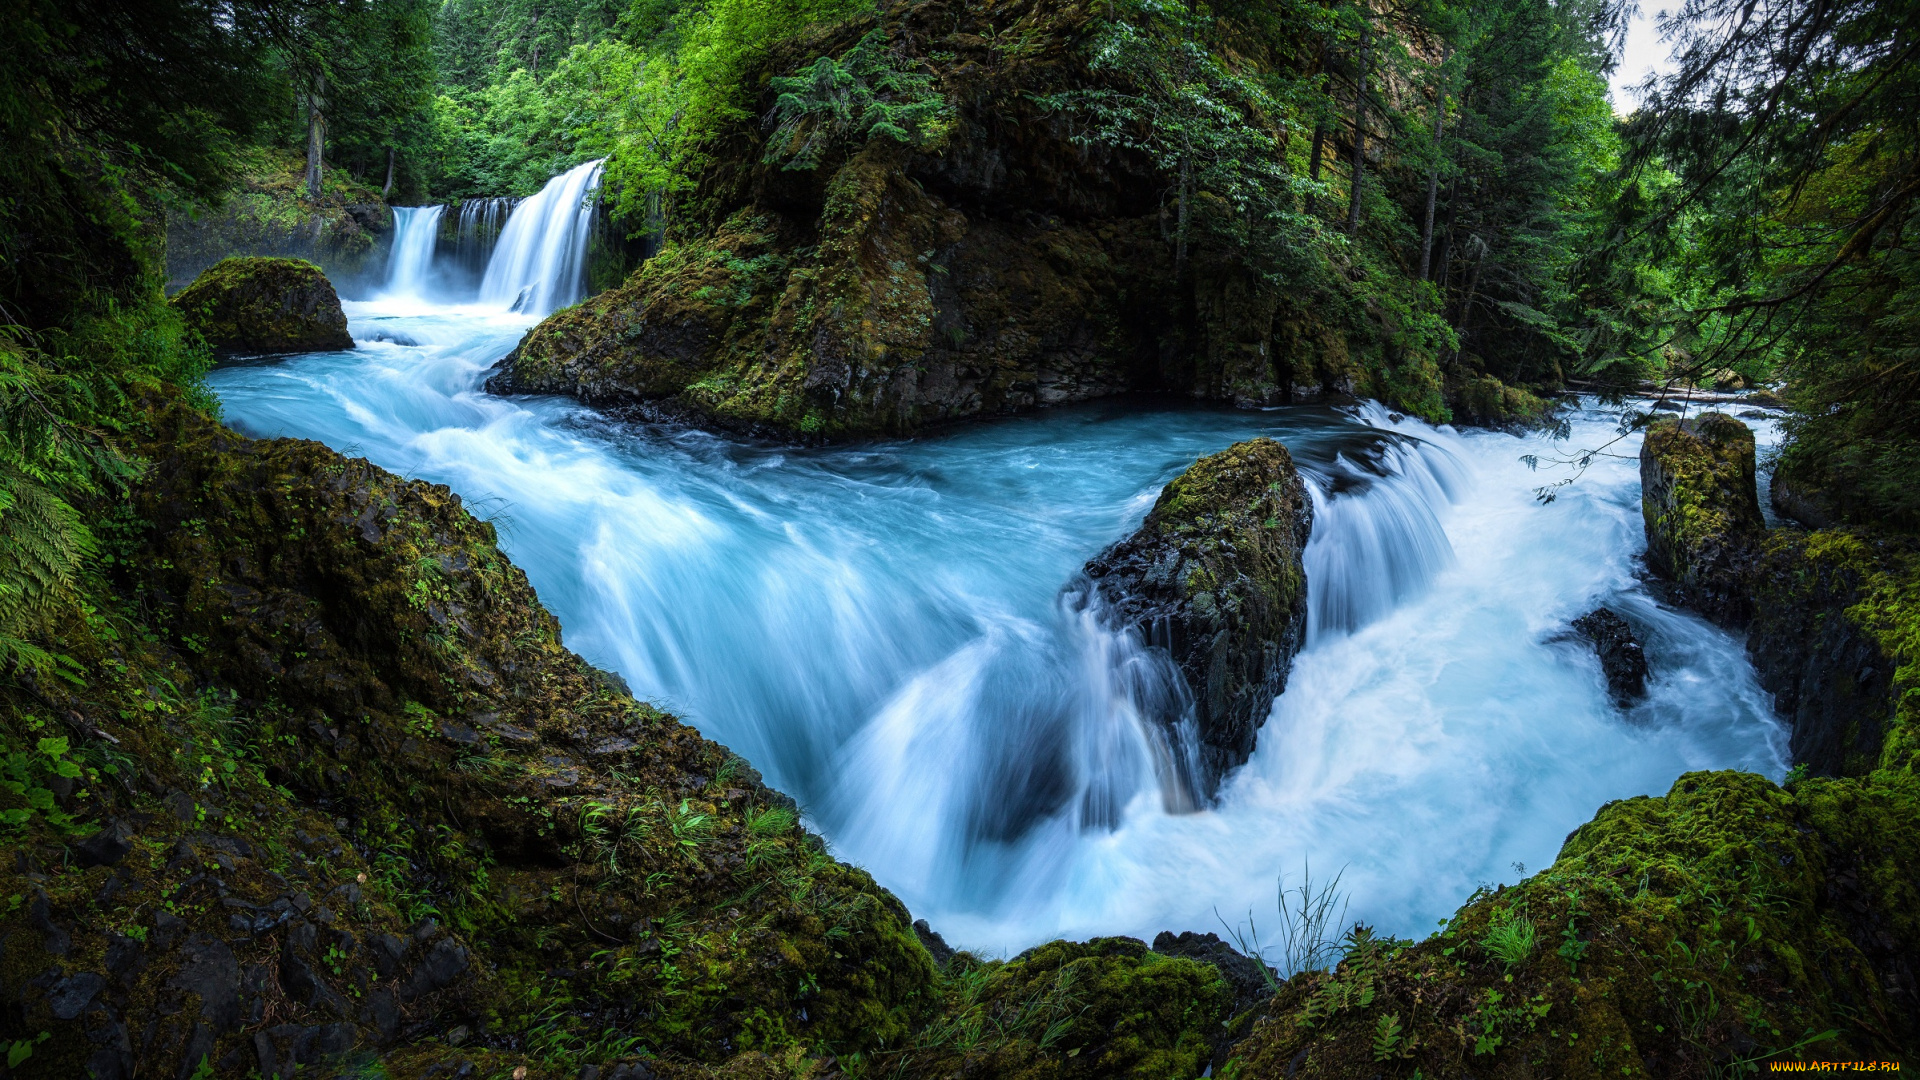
<point x="1360" y="124"/>
<point x="387" y="187"/>
<point x="1180" y="226"/>
<point x="316" y="135"/>
<point x="1433" y="173"/>
<point x="1319" y="135"/>
<point x="1466" y="305"/>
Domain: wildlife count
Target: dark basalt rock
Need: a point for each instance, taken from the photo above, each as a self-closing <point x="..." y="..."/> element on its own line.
<point x="1701" y="503"/>
<point x="1214" y="577"/>
<point x="1252" y="981"/>
<point x="1621" y="657"/>
<point x="258" y="305"/>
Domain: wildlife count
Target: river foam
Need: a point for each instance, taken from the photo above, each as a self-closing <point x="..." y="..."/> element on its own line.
<point x="889" y="632"/>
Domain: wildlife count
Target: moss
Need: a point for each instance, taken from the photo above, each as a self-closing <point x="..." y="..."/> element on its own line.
<point x="1728" y="923"/>
<point x="263" y="305"/>
<point x="1102" y="1008"/>
<point x="1214" y="575"/>
<point x="1702" y="509"/>
<point x="1487" y="401"/>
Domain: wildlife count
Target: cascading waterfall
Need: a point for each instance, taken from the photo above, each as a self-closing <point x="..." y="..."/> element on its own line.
<point x="897" y="634"/>
<point x="539" y="262"/>
<point x="416" y="232"/>
<point x="476" y="233"/>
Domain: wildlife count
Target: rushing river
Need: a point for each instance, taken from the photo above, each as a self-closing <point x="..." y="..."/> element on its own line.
<point x="887" y="632"/>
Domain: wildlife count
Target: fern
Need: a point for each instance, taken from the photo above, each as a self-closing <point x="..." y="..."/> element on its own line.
<point x="865" y="95"/>
<point x="43" y="544"/>
<point x="53" y="449"/>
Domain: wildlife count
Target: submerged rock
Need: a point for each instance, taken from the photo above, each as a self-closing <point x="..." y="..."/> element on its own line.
<point x="1621" y="657"/>
<point x="1701" y="505"/>
<point x="260" y="305"/>
<point x="1214" y="577"/>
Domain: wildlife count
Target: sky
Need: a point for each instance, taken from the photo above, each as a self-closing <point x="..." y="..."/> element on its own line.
<point x="1645" y="52"/>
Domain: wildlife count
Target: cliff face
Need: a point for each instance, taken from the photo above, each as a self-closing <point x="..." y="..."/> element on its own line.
<point x="268" y="213"/>
<point x="1214" y="577"/>
<point x="1830" y="614"/>
<point x="884" y="288"/>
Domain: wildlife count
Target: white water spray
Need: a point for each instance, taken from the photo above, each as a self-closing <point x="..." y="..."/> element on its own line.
<point x="539" y="263"/>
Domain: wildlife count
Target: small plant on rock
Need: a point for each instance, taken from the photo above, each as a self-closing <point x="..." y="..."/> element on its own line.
<point x="1511" y="939"/>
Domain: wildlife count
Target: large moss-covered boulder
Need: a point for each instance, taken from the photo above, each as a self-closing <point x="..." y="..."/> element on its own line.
<point x="1702" y="510"/>
<point x="263" y="305"/>
<point x="1704" y="933"/>
<point x="1214" y="577"/>
<point x="997" y="264"/>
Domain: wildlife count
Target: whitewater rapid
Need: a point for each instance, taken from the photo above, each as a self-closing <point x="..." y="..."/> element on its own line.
<point x="883" y="630"/>
<point x="898" y="634"/>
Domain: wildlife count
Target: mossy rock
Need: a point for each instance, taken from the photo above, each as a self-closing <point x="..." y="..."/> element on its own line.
<point x="1701" y="934"/>
<point x="355" y="702"/>
<point x="1835" y="638"/>
<point x="1488" y="402"/>
<point x="1214" y="576"/>
<point x="885" y="289"/>
<point x="262" y="305"/>
<point x="1702" y="510"/>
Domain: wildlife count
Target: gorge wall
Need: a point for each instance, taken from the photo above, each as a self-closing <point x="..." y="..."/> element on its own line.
<point x="1004" y="265"/>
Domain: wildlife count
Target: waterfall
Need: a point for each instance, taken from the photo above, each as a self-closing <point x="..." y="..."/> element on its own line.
<point x="539" y="262"/>
<point x="477" y="233"/>
<point x="415" y="230"/>
<point x="1377" y="539"/>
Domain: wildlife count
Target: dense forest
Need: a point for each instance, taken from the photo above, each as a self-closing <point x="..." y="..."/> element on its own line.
<point x="1431" y="203"/>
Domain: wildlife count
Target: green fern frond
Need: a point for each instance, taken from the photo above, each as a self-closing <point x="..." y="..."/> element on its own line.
<point x="43" y="545"/>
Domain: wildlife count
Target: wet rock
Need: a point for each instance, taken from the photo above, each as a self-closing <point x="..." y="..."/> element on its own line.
<point x="70" y="997"/>
<point x="934" y="943"/>
<point x="261" y="305"/>
<point x="1832" y="673"/>
<point x="1701" y="505"/>
<point x="443" y="963"/>
<point x="1621" y="657"/>
<point x="1214" y="577"/>
<point x="211" y="973"/>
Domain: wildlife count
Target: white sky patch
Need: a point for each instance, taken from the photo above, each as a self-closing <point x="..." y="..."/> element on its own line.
<point x="1645" y="53"/>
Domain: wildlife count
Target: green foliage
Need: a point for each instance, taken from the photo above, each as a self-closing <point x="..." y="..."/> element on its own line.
<point x="1510" y="939"/>
<point x="866" y="94"/>
<point x="31" y="773"/>
<point x="1790" y="132"/>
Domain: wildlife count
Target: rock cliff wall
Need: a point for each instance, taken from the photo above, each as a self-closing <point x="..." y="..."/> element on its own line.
<point x="887" y="288"/>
